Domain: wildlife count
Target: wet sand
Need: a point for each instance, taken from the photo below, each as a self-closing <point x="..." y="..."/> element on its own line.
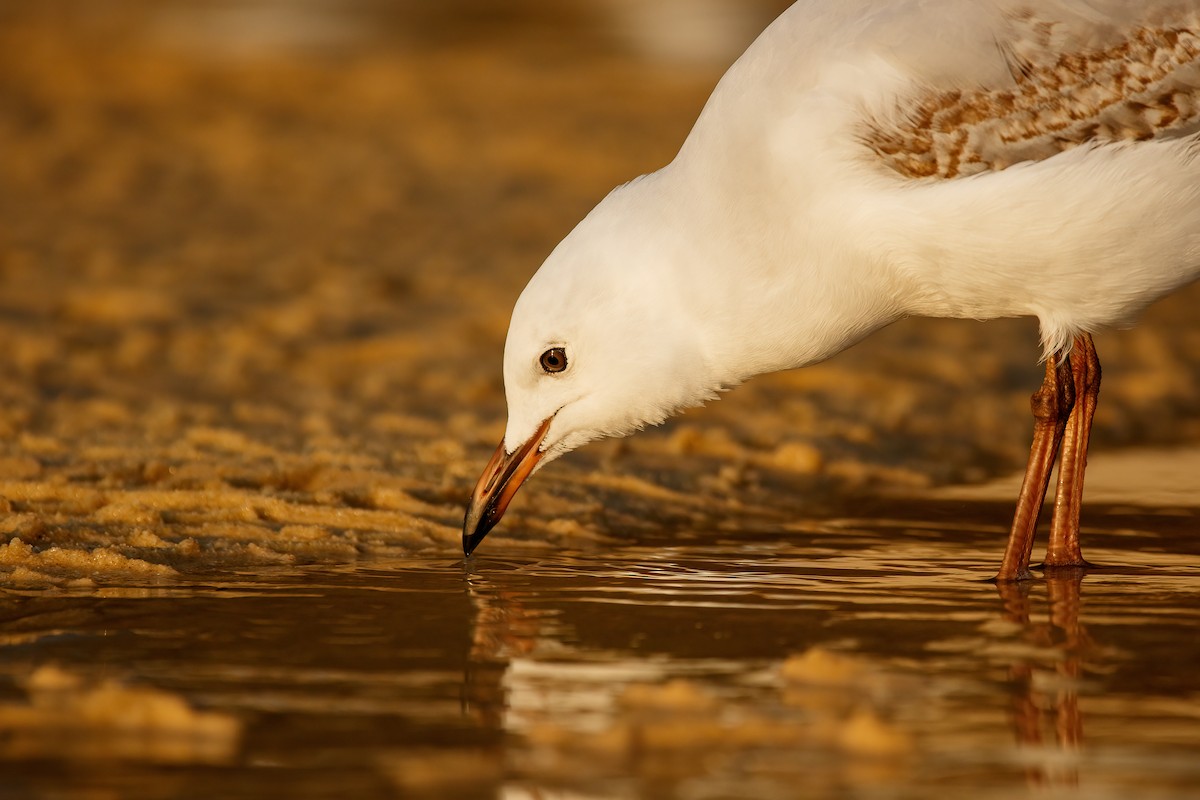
<point x="253" y="295"/>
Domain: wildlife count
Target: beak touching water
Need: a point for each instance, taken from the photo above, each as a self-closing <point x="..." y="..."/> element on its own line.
<point x="499" y="482"/>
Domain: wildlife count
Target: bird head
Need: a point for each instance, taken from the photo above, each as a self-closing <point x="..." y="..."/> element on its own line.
<point x="599" y="345"/>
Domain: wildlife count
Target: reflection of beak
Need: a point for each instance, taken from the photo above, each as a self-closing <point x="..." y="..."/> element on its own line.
<point x="500" y="480"/>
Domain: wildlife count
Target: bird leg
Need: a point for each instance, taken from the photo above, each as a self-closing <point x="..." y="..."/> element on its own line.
<point x="1051" y="405"/>
<point x="1063" y="549"/>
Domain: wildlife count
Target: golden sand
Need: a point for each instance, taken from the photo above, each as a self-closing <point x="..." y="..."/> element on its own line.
<point x="253" y="310"/>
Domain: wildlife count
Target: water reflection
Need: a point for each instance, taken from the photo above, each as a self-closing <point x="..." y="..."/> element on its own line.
<point x="1046" y="703"/>
<point x="846" y="658"/>
<point x="646" y="669"/>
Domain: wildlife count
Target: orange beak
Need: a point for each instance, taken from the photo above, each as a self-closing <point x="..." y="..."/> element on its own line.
<point x="501" y="479"/>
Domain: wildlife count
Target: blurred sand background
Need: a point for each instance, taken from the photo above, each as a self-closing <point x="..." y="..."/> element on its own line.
<point x="257" y="261"/>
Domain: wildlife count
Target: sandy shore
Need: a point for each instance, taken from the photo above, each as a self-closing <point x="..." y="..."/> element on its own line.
<point x="253" y="306"/>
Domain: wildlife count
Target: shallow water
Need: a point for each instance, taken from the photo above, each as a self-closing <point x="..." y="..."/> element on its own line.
<point x="847" y="657"/>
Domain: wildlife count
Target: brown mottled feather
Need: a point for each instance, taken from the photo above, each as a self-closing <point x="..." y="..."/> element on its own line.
<point x="1143" y="86"/>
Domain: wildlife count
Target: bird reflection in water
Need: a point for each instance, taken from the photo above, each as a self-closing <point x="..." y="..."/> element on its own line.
<point x="1046" y="698"/>
<point x="504" y="629"/>
<point x="963" y="686"/>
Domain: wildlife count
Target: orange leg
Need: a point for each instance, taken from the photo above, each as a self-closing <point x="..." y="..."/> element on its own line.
<point x="1051" y="405"/>
<point x="1063" y="550"/>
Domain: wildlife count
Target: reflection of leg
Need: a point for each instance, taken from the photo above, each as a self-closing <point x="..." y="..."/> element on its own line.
<point x="1063" y="550"/>
<point x="1064" y="593"/>
<point x="1015" y="597"/>
<point x="1026" y="713"/>
<point x="1051" y="404"/>
<point x="1068" y="728"/>
<point x="1031" y="709"/>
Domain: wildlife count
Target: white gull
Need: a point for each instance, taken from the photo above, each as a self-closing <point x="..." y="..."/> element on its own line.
<point x="862" y="162"/>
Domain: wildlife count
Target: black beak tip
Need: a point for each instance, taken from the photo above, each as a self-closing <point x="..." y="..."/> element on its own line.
<point x="471" y="541"/>
<point x="473" y="534"/>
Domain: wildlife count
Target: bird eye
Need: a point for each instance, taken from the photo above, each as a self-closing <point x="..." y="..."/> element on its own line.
<point x="554" y="360"/>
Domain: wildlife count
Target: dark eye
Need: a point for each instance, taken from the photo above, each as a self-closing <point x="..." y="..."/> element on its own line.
<point x="554" y="360"/>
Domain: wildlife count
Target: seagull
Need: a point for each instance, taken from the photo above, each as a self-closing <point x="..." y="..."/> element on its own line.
<point x="865" y="161"/>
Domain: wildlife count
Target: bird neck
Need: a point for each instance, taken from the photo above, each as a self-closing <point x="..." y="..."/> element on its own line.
<point x="770" y="294"/>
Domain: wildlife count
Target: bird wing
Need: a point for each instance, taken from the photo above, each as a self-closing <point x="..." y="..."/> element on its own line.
<point x="1055" y="74"/>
